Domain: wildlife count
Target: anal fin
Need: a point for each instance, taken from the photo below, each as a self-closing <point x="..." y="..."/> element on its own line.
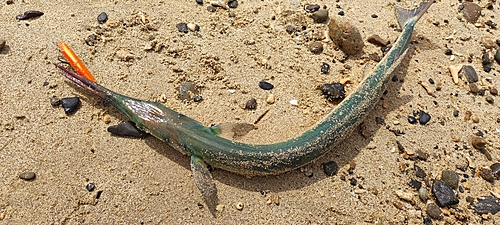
<point x="204" y="182"/>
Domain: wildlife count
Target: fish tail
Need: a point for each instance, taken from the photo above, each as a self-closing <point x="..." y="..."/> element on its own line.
<point x="405" y="16"/>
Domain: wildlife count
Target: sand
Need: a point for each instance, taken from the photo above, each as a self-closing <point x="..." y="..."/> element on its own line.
<point x="144" y="181"/>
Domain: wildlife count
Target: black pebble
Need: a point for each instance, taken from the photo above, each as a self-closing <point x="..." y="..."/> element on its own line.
<point x="330" y="168"/>
<point x="102" y="17"/>
<point x="495" y="169"/>
<point x="379" y="120"/>
<point x="211" y="8"/>
<point x="310" y="8"/>
<point x="486" y="68"/>
<point x="485" y="60"/>
<point x="419" y="172"/>
<point x="470" y="74"/>
<point x="488" y="204"/>
<point x="126" y="129"/>
<point x="91" y="40"/>
<point x="325" y="68"/>
<point x="197" y="98"/>
<point x="341" y="13"/>
<point x="251" y="104"/>
<point x="497" y="56"/>
<point x="265" y="85"/>
<point x="415" y="184"/>
<point x="90" y="186"/>
<point x="448" y="52"/>
<point x="353" y="181"/>
<point x="232" y="4"/>
<point x="431" y="81"/>
<point x="199" y="1"/>
<point x="445" y="196"/>
<point x="182" y="27"/>
<point x="374" y="16"/>
<point x="427" y="220"/>
<point x="424" y="117"/>
<point x="455" y="113"/>
<point x="394" y="79"/>
<point x="29" y="14"/>
<point x="333" y="91"/>
<point x="70" y="105"/>
<point x="412" y="120"/>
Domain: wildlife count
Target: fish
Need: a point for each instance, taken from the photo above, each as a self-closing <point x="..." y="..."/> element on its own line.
<point x="206" y="147"/>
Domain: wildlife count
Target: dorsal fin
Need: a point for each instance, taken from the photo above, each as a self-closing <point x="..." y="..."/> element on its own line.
<point x="404" y="15"/>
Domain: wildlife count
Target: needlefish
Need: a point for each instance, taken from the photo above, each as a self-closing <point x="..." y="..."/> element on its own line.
<point x="206" y="146"/>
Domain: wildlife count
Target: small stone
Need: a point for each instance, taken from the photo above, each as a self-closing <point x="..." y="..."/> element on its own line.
<point x="211" y="9"/>
<point x="219" y="207"/>
<point x="471" y="11"/>
<point x="377" y="40"/>
<point x="486" y="174"/>
<point x="197" y="98"/>
<point x="422" y="155"/>
<point x="55" y="101"/>
<point x="276" y="199"/>
<point x="473" y="88"/>
<point x="415" y="184"/>
<point x="333" y="91"/>
<point x="91" y="40"/>
<point x="495" y="169"/>
<point x="239" y="206"/>
<point x="265" y="85"/>
<point x="422" y="193"/>
<point x="232" y="4"/>
<point x="487" y="42"/>
<point x="126" y="129"/>
<point x="448" y="51"/>
<point x="310" y="8"/>
<point x="193" y="27"/>
<point x="182" y="27"/>
<point x="9" y="2"/>
<point x="346" y="36"/>
<point x="470" y="74"/>
<point x="488" y="204"/>
<point x="2" y="44"/>
<point x="270" y="99"/>
<point x="29" y="15"/>
<point x="497" y="56"/>
<point x="199" y="2"/>
<point x="419" y="172"/>
<point x="90" y="187"/>
<point x="404" y="195"/>
<point x="294" y="102"/>
<point x="70" y="105"/>
<point x="28" y="176"/>
<point x="490" y="99"/>
<point x="450" y="178"/>
<point x="424" y="118"/>
<point x="434" y="211"/>
<point x="475" y="119"/>
<point x="320" y="16"/>
<point x="290" y="29"/>
<point x="341" y="13"/>
<point x="106" y="119"/>
<point x="454" y="70"/>
<point x="251" y="104"/>
<point x="493" y="91"/>
<point x="325" y="68"/>
<point x="485" y="59"/>
<point x="412" y="120"/>
<point x="330" y="168"/>
<point x="478" y="142"/>
<point x="455" y="113"/>
<point x="444" y="194"/>
<point x="316" y="47"/>
<point x="467" y="115"/>
<point x="102" y="18"/>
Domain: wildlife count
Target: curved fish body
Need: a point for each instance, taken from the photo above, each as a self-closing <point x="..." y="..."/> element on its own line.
<point x="206" y="146"/>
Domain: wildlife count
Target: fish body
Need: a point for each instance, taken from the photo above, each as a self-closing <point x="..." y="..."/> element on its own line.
<point x="206" y="146"/>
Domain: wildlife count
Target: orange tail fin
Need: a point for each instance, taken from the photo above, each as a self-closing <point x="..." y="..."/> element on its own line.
<point x="74" y="61"/>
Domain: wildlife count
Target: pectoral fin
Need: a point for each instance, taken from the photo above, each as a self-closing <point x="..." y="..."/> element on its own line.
<point x="204" y="182"/>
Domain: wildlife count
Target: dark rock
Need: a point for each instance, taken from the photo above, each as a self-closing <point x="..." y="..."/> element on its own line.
<point x="448" y="52"/>
<point x="424" y="117"/>
<point x="434" y="211"/>
<point x="493" y="91"/>
<point x="27" y="176"/>
<point x="55" y="101"/>
<point x="127" y="129"/>
<point x="490" y="99"/>
<point x="197" y="98"/>
<point x="488" y="204"/>
<point x="199" y="2"/>
<point x="470" y="74"/>
<point x="102" y="17"/>
<point x="330" y="168"/>
<point x="444" y="194"/>
<point x="450" y="178"/>
<point x="29" y="14"/>
<point x="70" y="105"/>
<point x="495" y="169"/>
<point x="265" y="85"/>
<point x="211" y="8"/>
<point x="333" y="91"/>
<point x="232" y="4"/>
<point x="473" y="88"/>
<point x="90" y="186"/>
<point x="497" y="56"/>
<point x="478" y="142"/>
<point x="325" y="68"/>
<point x="316" y="47"/>
<point x="353" y="181"/>
<point x="412" y="120"/>
<point x="377" y="58"/>
<point x="2" y="44"/>
<point x="485" y="60"/>
<point x="471" y="11"/>
<point x="422" y="155"/>
<point x="419" y="172"/>
<point x="91" y="40"/>
<point x="455" y="113"/>
<point x="486" y="174"/>
<point x="374" y="16"/>
<point x="377" y="40"/>
<point x="251" y="104"/>
<point x="310" y="8"/>
<point x="415" y="184"/>
<point x="379" y="120"/>
<point x="320" y="16"/>
<point x="182" y="27"/>
<point x="427" y="220"/>
<point x="290" y="29"/>
<point x="341" y="13"/>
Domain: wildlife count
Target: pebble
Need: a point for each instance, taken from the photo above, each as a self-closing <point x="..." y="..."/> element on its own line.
<point x="485" y="59"/>
<point x="490" y="99"/>
<point x="199" y="2"/>
<point x="493" y="91"/>
<point x="445" y="196"/>
<point x="265" y="85"/>
<point x="2" y="44"/>
<point x="91" y="40"/>
<point x="251" y="104"/>
<point x="473" y="88"/>
<point x="197" y="98"/>
<point x="471" y="11"/>
<point x="487" y="204"/>
<point x="55" y="101"/>
<point x="495" y="169"/>
<point x="290" y="29"/>
<point x="185" y="90"/>
<point x="182" y="27"/>
<point x="434" y="211"/>
<point x="29" y="14"/>
<point x="497" y="56"/>
<point x="316" y="47"/>
<point x="126" y="129"/>
<point x="450" y="178"/>
<point x="102" y="18"/>
<point x="470" y="74"/>
<point x="232" y="4"/>
<point x="412" y="120"/>
<point x="211" y="8"/>
<point x="90" y="187"/>
<point x="193" y="27"/>
<point x="310" y="8"/>
<point x="422" y="193"/>
<point x="475" y="119"/>
<point x="106" y="119"/>
<point x="239" y="206"/>
<point x="325" y="68"/>
<point x="27" y="176"/>
<point x="220" y="207"/>
<point x="478" y="142"/>
<point x="346" y="36"/>
<point x="404" y="195"/>
<point x="419" y="172"/>
<point x="487" y="42"/>
<point x="486" y="174"/>
<point x="448" y="51"/>
<point x="270" y="99"/>
<point x="455" y="113"/>
<point x="424" y="118"/>
<point x="377" y="40"/>
<point x="415" y="184"/>
<point x="333" y="91"/>
<point x="294" y="102"/>
<point x="320" y="16"/>
<point x="330" y="168"/>
<point x="70" y="105"/>
<point x="454" y="70"/>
